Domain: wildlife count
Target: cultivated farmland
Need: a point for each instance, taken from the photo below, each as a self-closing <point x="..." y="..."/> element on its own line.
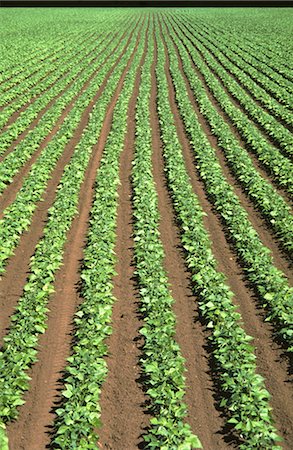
<point x="146" y="230"/>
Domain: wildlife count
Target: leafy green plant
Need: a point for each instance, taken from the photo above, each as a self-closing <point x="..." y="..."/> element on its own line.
<point x="277" y="164"/>
<point x="241" y="87"/>
<point x="79" y="414"/>
<point x="246" y="399"/>
<point x="162" y="361"/>
<point x="18" y="215"/>
<point x="29" y="320"/>
<point x="273" y="207"/>
<point x="269" y="282"/>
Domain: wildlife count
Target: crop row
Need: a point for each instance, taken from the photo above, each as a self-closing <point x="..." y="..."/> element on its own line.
<point x="162" y="362"/>
<point x="27" y="116"/>
<point x="86" y="49"/>
<point x="221" y="66"/>
<point x="24" y="53"/>
<point x="27" y="99"/>
<point x="253" y="58"/>
<point x="270" y="157"/>
<point x="18" y="216"/>
<point x="18" y="72"/>
<point x="250" y="77"/>
<point x="11" y="91"/>
<point x="29" y="320"/>
<point x="272" y="206"/>
<point x="78" y="417"/>
<point x="245" y="398"/>
<point x="50" y="72"/>
<point x="74" y="97"/>
<point x="270" y="283"/>
<point x="250" y="57"/>
<point x="273" y="52"/>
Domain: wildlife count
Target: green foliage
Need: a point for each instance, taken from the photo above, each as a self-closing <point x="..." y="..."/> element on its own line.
<point x="20" y="344"/>
<point x="270" y="283"/>
<point x="256" y="73"/>
<point x="162" y="361"/>
<point x="3" y="438"/>
<point x="78" y="418"/>
<point x="244" y="83"/>
<point x="18" y="215"/>
<point x="270" y="157"/>
<point x="246" y="400"/>
<point x="268" y="201"/>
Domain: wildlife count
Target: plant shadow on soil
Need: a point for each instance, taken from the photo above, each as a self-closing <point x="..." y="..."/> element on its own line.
<point x="227" y="431"/>
<point x="218" y="394"/>
<point x="58" y="402"/>
<point x="262" y="312"/>
<point x="255" y="297"/>
<point x="141" y="380"/>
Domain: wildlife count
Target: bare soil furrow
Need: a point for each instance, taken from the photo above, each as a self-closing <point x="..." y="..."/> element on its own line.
<point x="258" y="165"/>
<point x="246" y="89"/>
<point x="266" y="234"/>
<point x="35" y="122"/>
<point x="24" y="64"/>
<point x="32" y="430"/>
<point x="18" y="265"/>
<point x="203" y="417"/>
<point x="270" y="362"/>
<point x="11" y="191"/>
<point x="17" y="113"/>
<point x="124" y="415"/>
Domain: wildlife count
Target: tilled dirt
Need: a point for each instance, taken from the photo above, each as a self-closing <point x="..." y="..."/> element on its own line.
<point x="124" y="415"/>
<point x="203" y="418"/>
<point x="262" y="169"/>
<point x="270" y="362"/>
<point x="33" y="427"/>
<point x="123" y="401"/>
<point x="18" y="264"/>
<point x="18" y="112"/>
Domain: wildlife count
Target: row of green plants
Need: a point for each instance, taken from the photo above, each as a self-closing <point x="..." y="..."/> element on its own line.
<point x="51" y="72"/>
<point x="259" y="84"/>
<point x="74" y="97"/>
<point x="25" y="65"/>
<point x="273" y="51"/>
<point x="56" y="91"/>
<point x="36" y="76"/>
<point x="18" y="215"/>
<point x="19" y="350"/>
<point x="27" y="97"/>
<point x="72" y="72"/>
<point x="271" y="205"/>
<point x="78" y="417"/>
<point x="23" y="53"/>
<point x="275" y="61"/>
<point x="244" y="396"/>
<point x="216" y="58"/>
<point x="254" y="58"/>
<point x="270" y="283"/>
<point x="162" y="362"/>
<point x="242" y="88"/>
<point x="251" y="56"/>
<point x="274" y="162"/>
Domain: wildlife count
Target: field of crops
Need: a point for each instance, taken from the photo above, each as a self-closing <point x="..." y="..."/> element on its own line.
<point x="146" y="229"/>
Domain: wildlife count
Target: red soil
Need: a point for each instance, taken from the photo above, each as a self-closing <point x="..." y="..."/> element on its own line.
<point x="270" y="361"/>
<point x="124" y="416"/>
<point x="32" y="429"/>
<point x="123" y="401"/>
